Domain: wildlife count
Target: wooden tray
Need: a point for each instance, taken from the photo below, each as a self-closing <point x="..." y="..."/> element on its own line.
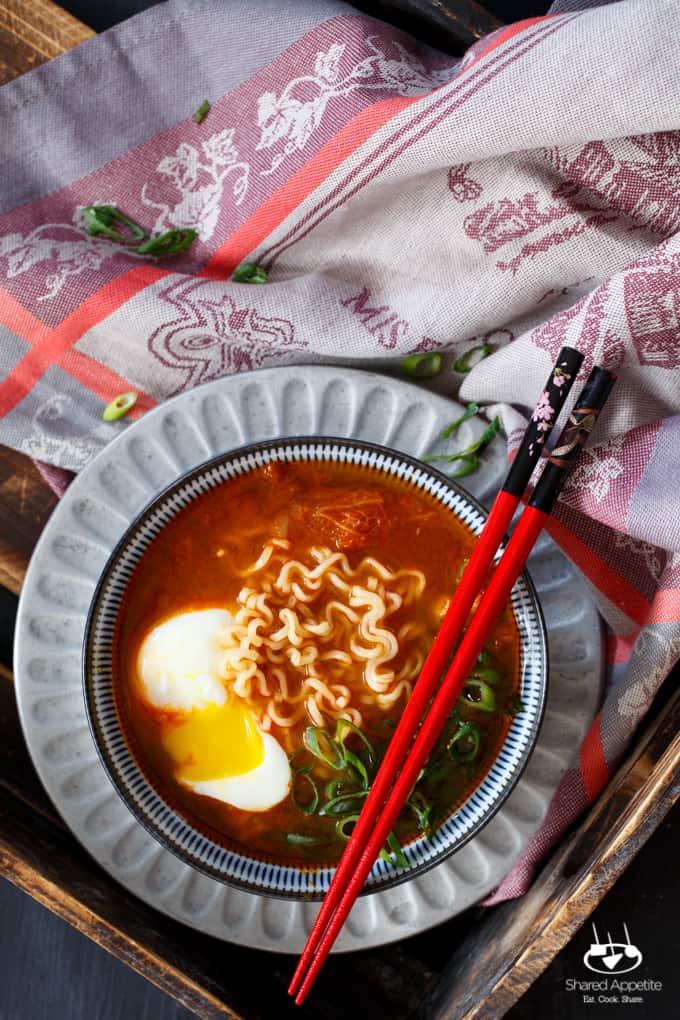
<point x="476" y="965"/>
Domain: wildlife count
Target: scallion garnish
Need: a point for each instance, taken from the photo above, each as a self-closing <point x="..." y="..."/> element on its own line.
<point x="301" y="839"/>
<point x="488" y="675"/>
<point x="515" y="705"/>
<point x="422" y="366"/>
<point x="333" y="754"/>
<point x="399" y="855"/>
<point x="464" y="362"/>
<point x="345" y="802"/>
<point x="468" y="466"/>
<point x="101" y="220"/>
<point x="342" y="823"/>
<point x="308" y="807"/>
<point x="250" y="272"/>
<point x="340" y="737"/>
<point x="356" y="763"/>
<point x="464" y="745"/>
<point x="170" y="243"/>
<point x="479" y="695"/>
<point x="470" y="411"/>
<point x="202" y="112"/>
<point x="119" y="406"/>
<point x="468" y="456"/>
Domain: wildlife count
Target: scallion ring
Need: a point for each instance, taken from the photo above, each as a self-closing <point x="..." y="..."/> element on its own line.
<point x="464" y="745"/>
<point x="332" y="790"/>
<point x="301" y="839"/>
<point x="339" y="805"/>
<point x="488" y="675"/>
<point x="119" y="406"/>
<point x="356" y="763"/>
<point x="470" y="411"/>
<point x="422" y="366"/>
<point x="468" y="466"/>
<point x="170" y="243"/>
<point x="340" y="826"/>
<point x="340" y="737"/>
<point x="100" y="220"/>
<point x="464" y="362"/>
<point x="310" y="806"/>
<point x="250" y="272"/>
<point x="399" y="855"/>
<point x="479" y="695"/>
<point x="312" y="738"/>
<point x="202" y="112"/>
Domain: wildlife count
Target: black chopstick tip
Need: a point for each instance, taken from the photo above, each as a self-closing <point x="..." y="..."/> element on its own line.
<point x="574" y="436"/>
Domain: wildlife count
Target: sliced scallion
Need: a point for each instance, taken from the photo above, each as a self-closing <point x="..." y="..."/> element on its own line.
<point x="202" y="112"/>
<point x="490" y="676"/>
<point x="341" y="826"/>
<point x="464" y="363"/>
<point x="314" y="737"/>
<point x="464" y="745"/>
<point x="422" y="366"/>
<point x="170" y="243"/>
<point x="470" y="411"/>
<point x="101" y="220"/>
<point x="399" y="855"/>
<point x="249" y="272"/>
<point x="356" y="763"/>
<point x="119" y="406"/>
<point x="515" y="706"/>
<point x="307" y="807"/>
<point x="301" y="839"/>
<point x="340" y="737"/>
<point x="468" y="466"/>
<point x="477" y="694"/>
<point x="340" y="805"/>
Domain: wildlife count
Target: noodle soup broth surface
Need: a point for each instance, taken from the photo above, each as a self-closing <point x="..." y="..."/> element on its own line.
<point x="336" y="577"/>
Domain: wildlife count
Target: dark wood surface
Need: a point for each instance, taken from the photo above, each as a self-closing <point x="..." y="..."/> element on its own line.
<point x="475" y="966"/>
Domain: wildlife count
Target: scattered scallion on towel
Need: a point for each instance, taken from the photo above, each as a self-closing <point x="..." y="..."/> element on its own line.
<point x="202" y="112"/>
<point x="422" y="366"/>
<point x="465" y="362"/>
<point x="249" y="272"/>
<point x="119" y="406"/>
<point x="170" y="243"/>
<point x="101" y="220"/>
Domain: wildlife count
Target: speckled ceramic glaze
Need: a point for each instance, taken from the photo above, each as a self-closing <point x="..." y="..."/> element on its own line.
<point x="176" y="831"/>
<point x="68" y="563"/>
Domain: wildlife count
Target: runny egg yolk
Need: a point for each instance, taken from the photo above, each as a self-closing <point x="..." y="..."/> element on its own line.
<point x="216" y="742"/>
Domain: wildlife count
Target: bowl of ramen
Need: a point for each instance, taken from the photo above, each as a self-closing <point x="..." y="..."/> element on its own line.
<point x="253" y="640"/>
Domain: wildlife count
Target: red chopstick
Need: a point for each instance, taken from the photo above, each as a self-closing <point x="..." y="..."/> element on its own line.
<point x="339" y="901"/>
<point x="547" y="410"/>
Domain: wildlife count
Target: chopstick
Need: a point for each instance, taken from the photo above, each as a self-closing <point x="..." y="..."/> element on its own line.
<point x="338" y="902"/>
<point x="529" y="527"/>
<point x="552" y="397"/>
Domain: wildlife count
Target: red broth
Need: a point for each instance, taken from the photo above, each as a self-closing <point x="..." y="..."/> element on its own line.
<point x="363" y="513"/>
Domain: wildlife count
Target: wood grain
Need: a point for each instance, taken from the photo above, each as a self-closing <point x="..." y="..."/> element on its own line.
<point x="39" y="31"/>
<point x="26" y="501"/>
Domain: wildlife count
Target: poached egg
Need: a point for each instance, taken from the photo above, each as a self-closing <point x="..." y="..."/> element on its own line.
<point x="213" y="738"/>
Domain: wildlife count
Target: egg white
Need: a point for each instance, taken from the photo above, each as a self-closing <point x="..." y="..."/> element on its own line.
<point x="258" y="790"/>
<point x="178" y="662"/>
